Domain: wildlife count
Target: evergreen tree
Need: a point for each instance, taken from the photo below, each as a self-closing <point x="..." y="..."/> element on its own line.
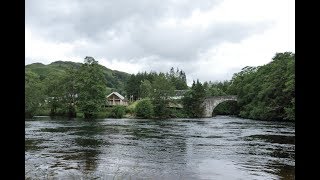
<point x="145" y="89"/>
<point x="193" y="99"/>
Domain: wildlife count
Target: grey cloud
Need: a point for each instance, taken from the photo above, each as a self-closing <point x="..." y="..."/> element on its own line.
<point x="129" y="30"/>
<point x="87" y="18"/>
<point x="213" y="75"/>
<point x="134" y="42"/>
<point x="184" y="44"/>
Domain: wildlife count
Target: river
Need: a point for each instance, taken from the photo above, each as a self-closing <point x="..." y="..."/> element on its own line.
<point x="221" y="147"/>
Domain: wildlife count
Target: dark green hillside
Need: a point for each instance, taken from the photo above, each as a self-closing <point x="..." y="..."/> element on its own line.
<point x="114" y="79"/>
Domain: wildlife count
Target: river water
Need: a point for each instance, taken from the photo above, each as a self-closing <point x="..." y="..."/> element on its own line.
<point x="221" y="147"/>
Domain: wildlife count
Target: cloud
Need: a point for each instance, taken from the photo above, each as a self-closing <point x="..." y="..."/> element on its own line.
<point x="208" y="39"/>
<point x="71" y="20"/>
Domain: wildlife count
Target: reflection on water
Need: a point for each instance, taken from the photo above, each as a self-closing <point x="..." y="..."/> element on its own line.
<point x="211" y="148"/>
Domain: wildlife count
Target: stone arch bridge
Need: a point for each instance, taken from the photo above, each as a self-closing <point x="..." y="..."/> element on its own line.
<point x="212" y="102"/>
<point x="208" y="104"/>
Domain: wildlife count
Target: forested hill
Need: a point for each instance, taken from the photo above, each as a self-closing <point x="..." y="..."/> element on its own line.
<point x="115" y="79"/>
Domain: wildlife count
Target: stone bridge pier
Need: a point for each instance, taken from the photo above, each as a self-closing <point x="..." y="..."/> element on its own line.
<point x="212" y="102"/>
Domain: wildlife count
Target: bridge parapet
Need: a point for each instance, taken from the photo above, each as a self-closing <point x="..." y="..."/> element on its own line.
<point x="231" y="97"/>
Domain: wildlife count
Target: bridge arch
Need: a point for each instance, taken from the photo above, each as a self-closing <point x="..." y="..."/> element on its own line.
<point x="212" y="102"/>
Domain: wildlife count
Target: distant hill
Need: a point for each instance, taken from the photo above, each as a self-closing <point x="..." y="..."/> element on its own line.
<point x="115" y="79"/>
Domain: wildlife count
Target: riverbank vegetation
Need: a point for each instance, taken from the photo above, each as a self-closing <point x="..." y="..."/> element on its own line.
<point x="267" y="92"/>
<point x="79" y="90"/>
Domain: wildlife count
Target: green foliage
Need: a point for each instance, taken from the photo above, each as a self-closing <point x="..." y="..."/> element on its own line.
<point x="144" y="109"/>
<point x="43" y="111"/>
<point x="34" y="94"/>
<point x="227" y="108"/>
<point x="145" y="89"/>
<point x="67" y="88"/>
<point x="70" y="86"/>
<point x="162" y="90"/>
<point x="116" y="80"/>
<point x="117" y="111"/>
<point x="192" y="100"/>
<point x="60" y="84"/>
<point x="177" y="113"/>
<point x="79" y="114"/>
<point x="178" y="79"/>
<point x="138" y="86"/>
<point x="133" y="85"/>
<point x="103" y="114"/>
<point x="267" y="92"/>
<point x="53" y="90"/>
<point x="216" y="88"/>
<point x="92" y="88"/>
<point x="133" y="105"/>
<point x="290" y="111"/>
<point x="44" y="71"/>
<point x="129" y="110"/>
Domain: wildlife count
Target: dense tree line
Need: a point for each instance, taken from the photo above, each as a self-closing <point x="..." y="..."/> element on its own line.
<point x="267" y="92"/>
<point x="177" y="78"/>
<point x="157" y="88"/>
<point x="138" y="85"/>
<point x="63" y="92"/>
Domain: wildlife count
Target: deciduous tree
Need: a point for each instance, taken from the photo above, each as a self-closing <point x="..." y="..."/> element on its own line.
<point x="92" y="88"/>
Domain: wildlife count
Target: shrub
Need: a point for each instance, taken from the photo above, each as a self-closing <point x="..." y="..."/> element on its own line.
<point x="79" y="115"/>
<point x="144" y="109"/>
<point x="177" y="113"/>
<point x="101" y="114"/>
<point x="117" y="112"/>
<point x="129" y="110"/>
<point x="43" y="111"/>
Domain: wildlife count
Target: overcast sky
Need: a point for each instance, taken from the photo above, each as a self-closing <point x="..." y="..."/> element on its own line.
<point x="208" y="39"/>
